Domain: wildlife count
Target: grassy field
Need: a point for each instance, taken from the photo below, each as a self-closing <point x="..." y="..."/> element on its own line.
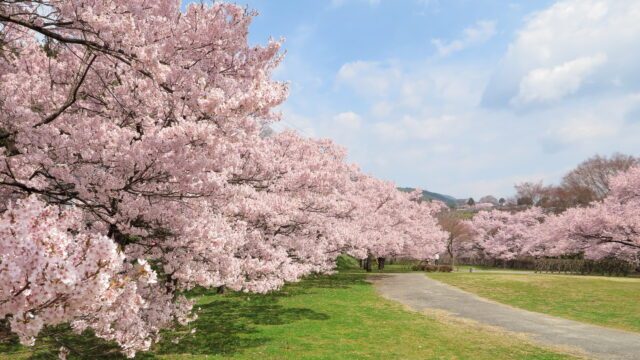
<point x="329" y="317"/>
<point x="605" y="301"/>
<point x="465" y="268"/>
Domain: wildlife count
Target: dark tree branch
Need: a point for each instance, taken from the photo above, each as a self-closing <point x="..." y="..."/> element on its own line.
<point x="73" y="96"/>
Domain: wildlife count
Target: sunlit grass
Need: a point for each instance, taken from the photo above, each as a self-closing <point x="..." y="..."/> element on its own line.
<point x="465" y="268"/>
<point x="605" y="301"/>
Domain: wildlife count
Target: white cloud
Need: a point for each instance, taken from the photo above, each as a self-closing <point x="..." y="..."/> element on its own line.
<point x="442" y="148"/>
<point x="339" y="3"/>
<point x="381" y="109"/>
<point x="389" y="131"/>
<point x="368" y="78"/>
<point x="548" y="84"/>
<point x="411" y="127"/>
<point x="396" y="88"/>
<point x="424" y="105"/>
<point x="602" y="121"/>
<point x="584" y="128"/>
<point x="348" y="120"/>
<point x="429" y="128"/>
<point x="559" y="47"/>
<point x="480" y="33"/>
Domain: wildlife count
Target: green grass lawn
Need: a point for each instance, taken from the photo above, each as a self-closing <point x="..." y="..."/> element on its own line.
<point x="328" y="317"/>
<point x="465" y="268"/>
<point x="605" y="301"/>
<point x="389" y="268"/>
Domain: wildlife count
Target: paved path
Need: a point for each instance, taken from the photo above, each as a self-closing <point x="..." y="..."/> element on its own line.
<point x="422" y="293"/>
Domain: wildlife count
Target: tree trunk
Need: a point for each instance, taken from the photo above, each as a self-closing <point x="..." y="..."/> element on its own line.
<point x="450" y="251"/>
<point x="381" y="262"/>
<point x="220" y="289"/>
<point x="368" y="263"/>
<point x="361" y="263"/>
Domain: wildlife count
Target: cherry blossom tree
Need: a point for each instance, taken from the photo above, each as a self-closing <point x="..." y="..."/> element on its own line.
<point x="137" y="115"/>
<point x="603" y="229"/>
<point x="504" y="235"/>
<point x="392" y="223"/>
<point x="296" y="207"/>
<point x="588" y="182"/>
<point x="132" y="168"/>
<point x="460" y="233"/>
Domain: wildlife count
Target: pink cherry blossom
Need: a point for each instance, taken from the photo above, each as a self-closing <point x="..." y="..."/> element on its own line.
<point x="610" y="227"/>
<point x="132" y="169"/>
<point x="504" y="235"/>
<point x="48" y="275"/>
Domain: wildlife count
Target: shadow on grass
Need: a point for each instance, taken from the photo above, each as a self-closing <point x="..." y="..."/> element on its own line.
<point x="226" y="324"/>
<point x="84" y="346"/>
<point x="229" y="323"/>
<point x="341" y="280"/>
<point x="9" y="345"/>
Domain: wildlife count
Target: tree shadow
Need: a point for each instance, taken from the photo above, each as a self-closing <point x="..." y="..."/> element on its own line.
<point x="50" y="339"/>
<point x="9" y="344"/>
<point x="335" y="281"/>
<point x="226" y="324"/>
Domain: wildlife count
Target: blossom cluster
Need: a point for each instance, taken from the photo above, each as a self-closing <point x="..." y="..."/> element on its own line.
<point x="504" y="235"/>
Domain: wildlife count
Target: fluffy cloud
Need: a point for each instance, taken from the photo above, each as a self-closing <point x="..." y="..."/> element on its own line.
<point x="547" y="84"/>
<point x="591" y="124"/>
<point x="411" y="127"/>
<point x="584" y="128"/>
<point x="480" y="33"/>
<point x="368" y="78"/>
<point x="562" y="46"/>
<point x="382" y="109"/>
<point x="389" y="131"/>
<point x="348" y="120"/>
<point x="395" y="86"/>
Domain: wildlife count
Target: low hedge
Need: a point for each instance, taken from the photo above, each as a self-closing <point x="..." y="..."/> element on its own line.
<point x="432" y="268"/>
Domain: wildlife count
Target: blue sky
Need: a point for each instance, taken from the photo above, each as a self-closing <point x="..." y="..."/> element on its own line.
<point x="462" y="97"/>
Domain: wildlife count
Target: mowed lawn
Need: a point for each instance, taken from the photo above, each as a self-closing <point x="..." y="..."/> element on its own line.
<point x="328" y="317"/>
<point x="605" y="301"/>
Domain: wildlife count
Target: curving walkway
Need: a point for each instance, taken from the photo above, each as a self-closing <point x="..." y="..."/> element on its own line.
<point x="422" y="293"/>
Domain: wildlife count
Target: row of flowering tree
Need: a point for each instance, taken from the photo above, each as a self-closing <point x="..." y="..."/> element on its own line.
<point x="603" y="229"/>
<point x="132" y="169"/>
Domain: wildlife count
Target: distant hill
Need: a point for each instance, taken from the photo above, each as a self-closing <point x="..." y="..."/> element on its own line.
<point x="428" y="195"/>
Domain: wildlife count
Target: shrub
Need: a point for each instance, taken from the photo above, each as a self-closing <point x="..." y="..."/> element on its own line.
<point x="432" y="268"/>
<point x="346" y="262"/>
<point x="606" y="266"/>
